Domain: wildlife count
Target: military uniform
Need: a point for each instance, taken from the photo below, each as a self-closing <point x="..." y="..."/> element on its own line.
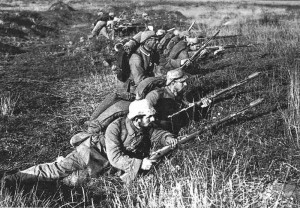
<point x="141" y="64"/>
<point x="124" y="147"/>
<point x="177" y="53"/>
<point x="100" y="26"/>
<point x="165" y="104"/>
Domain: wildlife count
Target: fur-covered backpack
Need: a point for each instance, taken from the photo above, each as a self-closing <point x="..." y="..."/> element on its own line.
<point x="112" y="107"/>
<point x="149" y="84"/>
<point x="123" y="55"/>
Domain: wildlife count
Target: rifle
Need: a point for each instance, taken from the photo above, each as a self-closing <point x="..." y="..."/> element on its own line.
<point x="211" y="97"/>
<point x="167" y="149"/>
<point x="191" y="26"/>
<point x="221" y="37"/>
<point x="229" y="46"/>
<point x="204" y="45"/>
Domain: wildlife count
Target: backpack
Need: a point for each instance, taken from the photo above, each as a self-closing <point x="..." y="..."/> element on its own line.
<point x="124" y="72"/>
<point x="123" y="57"/>
<point x="175" y="51"/>
<point x="112" y="107"/>
<point x="149" y="84"/>
<point x="165" y="40"/>
<point x="171" y="44"/>
<point x="123" y="65"/>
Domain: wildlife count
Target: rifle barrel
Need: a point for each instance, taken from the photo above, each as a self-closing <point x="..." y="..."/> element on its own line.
<point x="165" y="150"/>
<point x="191" y="26"/>
<point x="161" y="152"/>
<point x="251" y="76"/>
<point x="235" y="85"/>
<point x="220" y="37"/>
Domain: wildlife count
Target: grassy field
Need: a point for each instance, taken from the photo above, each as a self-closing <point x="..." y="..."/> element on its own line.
<point x="51" y="79"/>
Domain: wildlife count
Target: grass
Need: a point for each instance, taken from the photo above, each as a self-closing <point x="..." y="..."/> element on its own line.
<point x="8" y="103"/>
<point x="241" y="164"/>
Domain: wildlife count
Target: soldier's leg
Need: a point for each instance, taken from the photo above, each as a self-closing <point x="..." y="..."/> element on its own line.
<point x="49" y="171"/>
<point x="104" y="32"/>
<point x="97" y="28"/>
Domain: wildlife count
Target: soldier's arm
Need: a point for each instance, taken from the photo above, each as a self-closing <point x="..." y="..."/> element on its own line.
<point x="115" y="150"/>
<point x="173" y="63"/>
<point x="176" y="63"/>
<point x="136" y="68"/>
<point x="161" y="137"/>
<point x="153" y="97"/>
<point x="98" y="27"/>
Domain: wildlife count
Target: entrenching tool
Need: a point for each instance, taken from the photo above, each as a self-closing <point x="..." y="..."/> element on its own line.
<point x="213" y="96"/>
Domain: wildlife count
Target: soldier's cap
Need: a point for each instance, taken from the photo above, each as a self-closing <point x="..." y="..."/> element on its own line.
<point x="176" y="75"/>
<point x="140" y="108"/>
<point x="160" y="32"/>
<point x="111" y="14"/>
<point x="146" y="35"/>
<point x="193" y="41"/>
<point x="184" y="34"/>
<point x="176" y="32"/>
<point x="144" y="14"/>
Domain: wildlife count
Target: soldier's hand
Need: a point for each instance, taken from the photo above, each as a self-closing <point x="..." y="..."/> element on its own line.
<point x="147" y="164"/>
<point x="205" y="102"/>
<point x="204" y="52"/>
<point x="172" y="141"/>
<point x="185" y="61"/>
<point x="219" y="51"/>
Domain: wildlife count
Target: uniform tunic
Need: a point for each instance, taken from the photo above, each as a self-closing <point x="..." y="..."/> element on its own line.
<point x="141" y="64"/>
<point x="165" y="104"/>
<point x="125" y="147"/>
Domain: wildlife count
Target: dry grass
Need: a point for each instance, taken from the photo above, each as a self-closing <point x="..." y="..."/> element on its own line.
<point x="232" y="166"/>
<point x="8" y="103"/>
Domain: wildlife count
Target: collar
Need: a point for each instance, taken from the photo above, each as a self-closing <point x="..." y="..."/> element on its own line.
<point x="169" y="92"/>
<point x="132" y="129"/>
<point x="144" y="51"/>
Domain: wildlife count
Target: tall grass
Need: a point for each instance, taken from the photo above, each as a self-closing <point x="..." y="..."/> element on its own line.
<point x="8" y="103"/>
<point x="227" y="167"/>
<point x="292" y="117"/>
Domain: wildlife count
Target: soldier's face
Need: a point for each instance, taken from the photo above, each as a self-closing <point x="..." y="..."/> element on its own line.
<point x="146" y="120"/>
<point x="178" y="86"/>
<point x="152" y="43"/>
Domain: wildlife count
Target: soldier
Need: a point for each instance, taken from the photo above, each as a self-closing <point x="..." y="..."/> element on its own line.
<point x="100" y="25"/>
<point x="143" y="59"/>
<point x="168" y="100"/>
<point x="126" y="146"/>
<point x="178" y="54"/>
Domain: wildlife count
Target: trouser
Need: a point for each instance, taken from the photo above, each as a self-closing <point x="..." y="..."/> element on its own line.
<point x="84" y="157"/>
<point x="99" y="27"/>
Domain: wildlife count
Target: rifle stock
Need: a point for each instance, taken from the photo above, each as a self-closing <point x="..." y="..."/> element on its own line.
<point x="199" y="50"/>
<point x="213" y="96"/>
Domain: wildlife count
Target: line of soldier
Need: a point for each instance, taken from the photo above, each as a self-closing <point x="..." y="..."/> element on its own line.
<point x="109" y="20"/>
<point x="124" y="144"/>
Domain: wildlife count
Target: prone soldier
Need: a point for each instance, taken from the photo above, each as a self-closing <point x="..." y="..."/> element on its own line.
<point x="169" y="100"/>
<point x="100" y="25"/>
<point x="125" y="146"/>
